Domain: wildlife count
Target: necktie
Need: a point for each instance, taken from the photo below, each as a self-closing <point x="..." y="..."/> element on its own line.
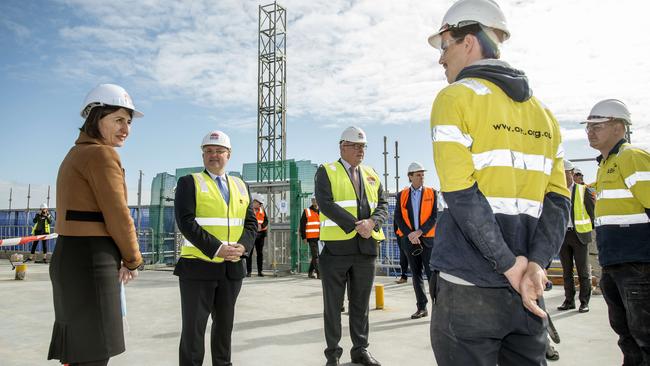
<point x="224" y="191"/>
<point x="355" y="180"/>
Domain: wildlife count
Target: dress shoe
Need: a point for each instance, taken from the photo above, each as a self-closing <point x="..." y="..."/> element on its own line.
<point x="332" y="362"/>
<point x="420" y="314"/>
<point x="584" y="308"/>
<point x="552" y="354"/>
<point x="401" y="281"/>
<point x="311" y="275"/>
<point x="248" y="274"/>
<point x="566" y="306"/>
<point x="260" y="274"/>
<point x="343" y="308"/>
<point x="365" y="358"/>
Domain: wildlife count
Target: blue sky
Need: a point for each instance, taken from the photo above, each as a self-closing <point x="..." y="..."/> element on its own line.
<point x="191" y="68"/>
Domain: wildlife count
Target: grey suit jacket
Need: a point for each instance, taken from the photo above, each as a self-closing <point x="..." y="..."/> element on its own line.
<point x="324" y="197"/>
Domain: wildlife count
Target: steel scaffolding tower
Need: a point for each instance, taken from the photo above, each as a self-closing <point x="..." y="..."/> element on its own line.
<point x="271" y="93"/>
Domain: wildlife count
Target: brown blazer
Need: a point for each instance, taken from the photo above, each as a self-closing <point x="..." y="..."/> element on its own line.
<point x="91" y="197"/>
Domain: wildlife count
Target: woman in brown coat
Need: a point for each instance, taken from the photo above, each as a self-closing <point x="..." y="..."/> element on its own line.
<point x="97" y="247"/>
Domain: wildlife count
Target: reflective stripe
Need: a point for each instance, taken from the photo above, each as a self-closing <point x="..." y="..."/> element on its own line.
<point x="348" y="203"/>
<point x="312" y="223"/>
<point x="583" y="222"/>
<point x="614" y="193"/>
<point x="515" y="206"/>
<point x="514" y="159"/>
<point x="636" y="177"/>
<point x="450" y="133"/>
<point x="187" y="243"/>
<point x="328" y="223"/>
<point x="560" y="152"/>
<point x="308" y="211"/>
<point x="218" y="221"/>
<point x="372" y="205"/>
<point x="312" y="231"/>
<point x="202" y="183"/>
<point x="476" y="86"/>
<point x="622" y="219"/>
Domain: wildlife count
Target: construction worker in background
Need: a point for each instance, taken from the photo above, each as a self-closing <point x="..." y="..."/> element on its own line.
<point x="576" y="242"/>
<point x="310" y="232"/>
<point x="403" y="259"/>
<point x="262" y="230"/>
<point x="578" y="178"/>
<point x="623" y="227"/>
<point x="353" y="208"/>
<point x="498" y="155"/>
<point x="42" y="221"/>
<point x="214" y="214"/>
<point x="415" y="215"/>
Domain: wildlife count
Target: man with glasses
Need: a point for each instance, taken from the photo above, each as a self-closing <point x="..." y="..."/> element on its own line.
<point x="353" y="209"/>
<point x="622" y="227"/>
<point x="415" y="216"/>
<point x="498" y="155"/>
<point x="215" y="215"/>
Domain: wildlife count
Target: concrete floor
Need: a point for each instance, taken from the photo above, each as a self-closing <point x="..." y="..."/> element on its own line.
<point x="278" y="322"/>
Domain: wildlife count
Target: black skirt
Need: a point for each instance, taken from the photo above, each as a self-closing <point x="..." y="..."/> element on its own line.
<point x="86" y="289"/>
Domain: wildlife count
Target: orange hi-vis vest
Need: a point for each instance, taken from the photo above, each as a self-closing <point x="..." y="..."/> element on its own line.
<point x="427" y="205"/>
<point x="312" y="227"/>
<point x="260" y="215"/>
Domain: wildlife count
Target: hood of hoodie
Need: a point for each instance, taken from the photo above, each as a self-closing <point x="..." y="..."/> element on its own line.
<point x="513" y="82"/>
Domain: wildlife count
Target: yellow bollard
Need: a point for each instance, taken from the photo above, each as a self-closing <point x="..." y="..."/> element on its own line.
<point x="379" y="296"/>
<point x="21" y="271"/>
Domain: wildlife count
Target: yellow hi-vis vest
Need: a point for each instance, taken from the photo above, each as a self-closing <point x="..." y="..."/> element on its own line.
<point x="223" y="221"/>
<point x="344" y="195"/>
<point x="46" y="227"/>
<point x="581" y="218"/>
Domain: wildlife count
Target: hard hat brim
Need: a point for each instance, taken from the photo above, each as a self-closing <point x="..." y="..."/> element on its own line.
<point x="435" y="40"/>
<point x="595" y="120"/>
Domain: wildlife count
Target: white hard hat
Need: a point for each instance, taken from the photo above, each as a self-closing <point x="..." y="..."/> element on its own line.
<point x="108" y="95"/>
<point x="43" y="205"/>
<point x="568" y="165"/>
<point x="608" y="109"/>
<point x="259" y="198"/>
<point x="467" y="12"/>
<point x="354" y="134"/>
<point x="216" y="137"/>
<point x="416" y="167"/>
<point x="577" y="170"/>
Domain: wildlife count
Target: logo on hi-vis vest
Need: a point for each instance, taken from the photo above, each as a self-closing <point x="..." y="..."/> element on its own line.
<point x="612" y="170"/>
<point x="371" y="180"/>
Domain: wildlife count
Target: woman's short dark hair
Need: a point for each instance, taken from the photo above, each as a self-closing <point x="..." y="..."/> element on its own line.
<point x="91" y="125"/>
<point x="489" y="49"/>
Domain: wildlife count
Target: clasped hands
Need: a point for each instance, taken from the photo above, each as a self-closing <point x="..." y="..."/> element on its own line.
<point x="365" y="227"/>
<point x="231" y="251"/>
<point x="414" y="237"/>
<point x="528" y="279"/>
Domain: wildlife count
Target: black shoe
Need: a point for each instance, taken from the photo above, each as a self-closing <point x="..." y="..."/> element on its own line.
<point x="248" y="274"/>
<point x="311" y="275"/>
<point x="365" y="358"/>
<point x="552" y="354"/>
<point x="317" y="276"/>
<point x="401" y="281"/>
<point x="584" y="308"/>
<point x="566" y="305"/>
<point x="420" y="314"/>
<point x="332" y="362"/>
<point x="343" y="308"/>
<point x="260" y="274"/>
<point x="27" y="260"/>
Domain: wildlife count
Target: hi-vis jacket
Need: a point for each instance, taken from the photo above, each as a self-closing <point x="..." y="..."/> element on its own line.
<point x="498" y="154"/>
<point x="42" y="222"/>
<point x="623" y="205"/>
<point x="427" y="217"/>
<point x="310" y="223"/>
<point x="345" y="196"/>
<point x="223" y="221"/>
<point x="582" y="221"/>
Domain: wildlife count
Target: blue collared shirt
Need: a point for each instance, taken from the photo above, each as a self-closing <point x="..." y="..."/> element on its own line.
<point x="416" y="197"/>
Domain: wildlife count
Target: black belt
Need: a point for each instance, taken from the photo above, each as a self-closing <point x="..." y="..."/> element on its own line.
<point x="90" y="216"/>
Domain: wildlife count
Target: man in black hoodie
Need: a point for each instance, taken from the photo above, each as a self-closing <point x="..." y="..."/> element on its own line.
<point x="498" y="154"/>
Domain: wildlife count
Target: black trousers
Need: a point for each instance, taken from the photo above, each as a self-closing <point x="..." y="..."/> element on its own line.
<point x="418" y="263"/>
<point x="199" y="299"/>
<point x="357" y="272"/>
<point x="498" y="331"/>
<point x="259" y="247"/>
<point x="313" y="250"/>
<point x="573" y="250"/>
<point x="403" y="259"/>
<point x="626" y="289"/>
<point x="43" y="247"/>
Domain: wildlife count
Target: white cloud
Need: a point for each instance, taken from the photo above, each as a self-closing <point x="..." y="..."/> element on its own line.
<point x="364" y="61"/>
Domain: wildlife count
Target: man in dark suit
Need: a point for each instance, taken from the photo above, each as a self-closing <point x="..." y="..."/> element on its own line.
<point x="576" y="243"/>
<point x="353" y="209"/>
<point x="215" y="216"/>
<point x="415" y="215"/>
